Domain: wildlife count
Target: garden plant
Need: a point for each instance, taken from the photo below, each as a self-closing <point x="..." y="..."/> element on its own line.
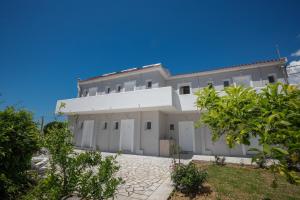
<point x="86" y="175"/>
<point x="19" y="140"/>
<point x="272" y="115"/>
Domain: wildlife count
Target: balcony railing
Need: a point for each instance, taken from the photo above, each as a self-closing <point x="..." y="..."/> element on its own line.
<point x="163" y="99"/>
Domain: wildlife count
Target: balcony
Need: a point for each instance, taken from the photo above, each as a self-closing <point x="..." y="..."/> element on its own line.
<point x="138" y="100"/>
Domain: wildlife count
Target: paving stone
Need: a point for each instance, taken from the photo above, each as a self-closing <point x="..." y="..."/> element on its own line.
<point x="143" y="175"/>
<point x="138" y="196"/>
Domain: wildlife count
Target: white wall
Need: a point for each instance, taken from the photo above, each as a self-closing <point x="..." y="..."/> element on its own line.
<point x="108" y="140"/>
<point x="157" y="98"/>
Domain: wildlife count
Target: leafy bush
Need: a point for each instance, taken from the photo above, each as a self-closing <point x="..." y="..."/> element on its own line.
<point x="87" y="175"/>
<point x="273" y="115"/>
<point x="19" y="137"/>
<point x="51" y="125"/>
<point x="188" y="178"/>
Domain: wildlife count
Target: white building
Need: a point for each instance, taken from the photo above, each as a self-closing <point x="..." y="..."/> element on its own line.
<point x="133" y="110"/>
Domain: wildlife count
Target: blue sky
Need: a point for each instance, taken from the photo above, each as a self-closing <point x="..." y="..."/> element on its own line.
<point x="46" y="45"/>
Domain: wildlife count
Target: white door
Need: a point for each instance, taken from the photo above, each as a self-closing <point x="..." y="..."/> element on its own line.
<point x="127" y="135"/>
<point x="87" y="134"/>
<point x="186" y="135"/>
<point x="129" y="86"/>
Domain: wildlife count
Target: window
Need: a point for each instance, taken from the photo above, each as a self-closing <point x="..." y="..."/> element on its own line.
<point x="184" y="89"/>
<point x="148" y="125"/>
<point x="119" y="88"/>
<point x="226" y="83"/>
<point x="107" y="90"/>
<point x="149" y="85"/>
<point x="105" y="125"/>
<point x="271" y="79"/>
<point x="172" y="127"/>
<point x="116" y="125"/>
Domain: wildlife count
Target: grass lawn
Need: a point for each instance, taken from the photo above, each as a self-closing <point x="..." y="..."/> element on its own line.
<point x="241" y="182"/>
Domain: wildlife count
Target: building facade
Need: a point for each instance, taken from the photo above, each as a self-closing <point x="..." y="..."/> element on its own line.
<point x="135" y="109"/>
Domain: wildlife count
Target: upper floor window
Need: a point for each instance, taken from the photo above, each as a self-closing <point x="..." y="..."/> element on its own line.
<point x="119" y="88"/>
<point x="149" y="84"/>
<point x="172" y="127"/>
<point x="107" y="90"/>
<point x="105" y="125"/>
<point x="116" y="125"/>
<point x="226" y="83"/>
<point x="148" y="125"/>
<point x="185" y="89"/>
<point x="271" y="79"/>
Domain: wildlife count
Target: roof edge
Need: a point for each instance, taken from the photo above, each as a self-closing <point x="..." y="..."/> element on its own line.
<point x="165" y="72"/>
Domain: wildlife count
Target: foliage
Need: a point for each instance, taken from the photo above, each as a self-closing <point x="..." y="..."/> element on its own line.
<point x="19" y="140"/>
<point x="261" y="156"/>
<point x="273" y="115"/>
<point x="88" y="174"/>
<point x="51" y="125"/>
<point x="188" y="178"/>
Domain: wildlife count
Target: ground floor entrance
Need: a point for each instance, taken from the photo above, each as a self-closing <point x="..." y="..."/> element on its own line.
<point x="144" y="133"/>
<point x="127" y="135"/>
<point x="186" y="136"/>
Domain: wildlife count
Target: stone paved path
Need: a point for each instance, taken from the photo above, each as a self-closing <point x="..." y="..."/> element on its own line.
<point x="143" y="176"/>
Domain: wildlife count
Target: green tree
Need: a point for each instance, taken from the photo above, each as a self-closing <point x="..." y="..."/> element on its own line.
<point x="87" y="175"/>
<point x="54" y="124"/>
<point x="19" y="140"/>
<point x="242" y="113"/>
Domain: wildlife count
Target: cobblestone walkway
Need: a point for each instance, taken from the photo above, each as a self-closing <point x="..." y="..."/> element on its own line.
<point x="143" y="175"/>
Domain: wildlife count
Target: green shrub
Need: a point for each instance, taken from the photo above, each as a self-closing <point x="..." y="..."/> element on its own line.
<point x="87" y="175"/>
<point x="19" y="136"/>
<point x="188" y="178"/>
<point x="272" y="115"/>
<point x="51" y="125"/>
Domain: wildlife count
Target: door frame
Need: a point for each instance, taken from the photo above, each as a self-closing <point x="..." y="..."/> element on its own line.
<point x="92" y="136"/>
<point x="121" y="135"/>
<point x="193" y="134"/>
